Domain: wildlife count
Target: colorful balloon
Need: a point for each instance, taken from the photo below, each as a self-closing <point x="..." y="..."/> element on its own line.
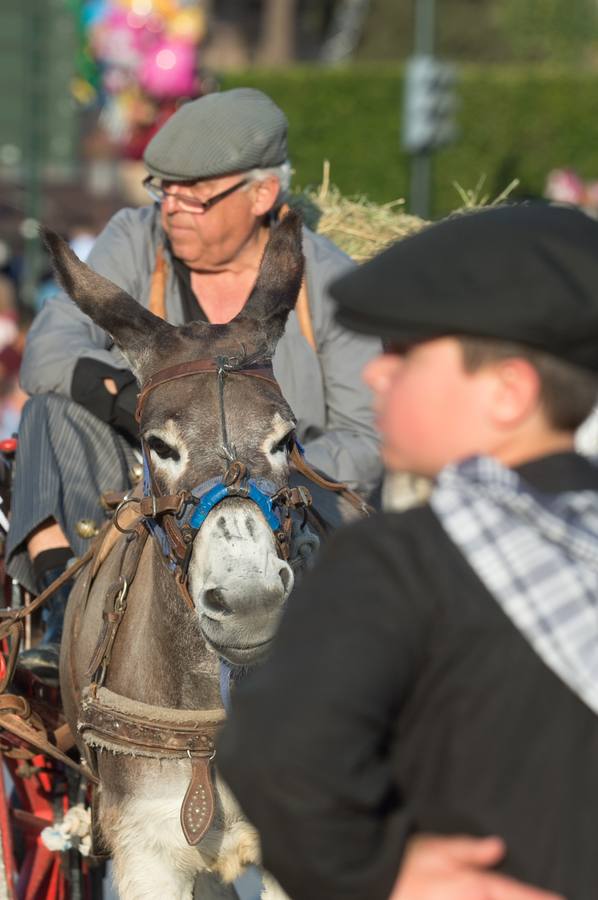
<point x="188" y="24"/>
<point x="93" y="11"/>
<point x="169" y="69"/>
<point x="145" y="52"/>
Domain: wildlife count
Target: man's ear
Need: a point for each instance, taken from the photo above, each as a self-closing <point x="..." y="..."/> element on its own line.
<point x="265" y="194"/>
<point x="517" y="392"/>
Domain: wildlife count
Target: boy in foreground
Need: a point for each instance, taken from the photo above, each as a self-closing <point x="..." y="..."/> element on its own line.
<point x="438" y="671"/>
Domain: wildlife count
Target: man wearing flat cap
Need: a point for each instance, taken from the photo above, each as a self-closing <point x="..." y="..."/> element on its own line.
<point x="218" y="172"/>
<point x="451" y="683"/>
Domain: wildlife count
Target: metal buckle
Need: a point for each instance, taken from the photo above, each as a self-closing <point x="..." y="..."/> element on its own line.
<point x="236" y="472"/>
<point x="304" y="494"/>
<point x="120" y="601"/>
<point x="124" y="503"/>
<point x="196" y="753"/>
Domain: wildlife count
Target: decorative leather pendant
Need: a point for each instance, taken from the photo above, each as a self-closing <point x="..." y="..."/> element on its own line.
<point x="197" y="810"/>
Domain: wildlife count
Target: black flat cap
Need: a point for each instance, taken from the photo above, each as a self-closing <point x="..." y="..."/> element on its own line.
<point x="526" y="273"/>
<point x="232" y="131"/>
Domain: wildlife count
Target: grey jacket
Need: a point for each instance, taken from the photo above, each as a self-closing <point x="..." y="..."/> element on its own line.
<point x="325" y="391"/>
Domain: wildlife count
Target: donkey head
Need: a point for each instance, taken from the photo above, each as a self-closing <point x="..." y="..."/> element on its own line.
<point x="191" y="427"/>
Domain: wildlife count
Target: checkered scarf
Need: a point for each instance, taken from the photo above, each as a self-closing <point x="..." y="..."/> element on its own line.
<point x="537" y="554"/>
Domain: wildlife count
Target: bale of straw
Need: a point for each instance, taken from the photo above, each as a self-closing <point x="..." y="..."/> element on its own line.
<point x="355" y="224"/>
<point x="363" y="228"/>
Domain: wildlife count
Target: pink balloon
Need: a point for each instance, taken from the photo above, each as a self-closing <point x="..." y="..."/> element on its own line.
<point x="168" y="69"/>
<point x="115" y="41"/>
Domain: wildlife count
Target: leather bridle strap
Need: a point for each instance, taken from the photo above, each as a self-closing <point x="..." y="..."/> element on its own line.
<point x="115" y="602"/>
<point x="197" y="367"/>
<point x="69" y="573"/>
<point x="338" y="487"/>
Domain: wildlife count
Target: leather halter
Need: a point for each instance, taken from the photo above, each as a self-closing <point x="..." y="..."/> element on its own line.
<point x="176" y="519"/>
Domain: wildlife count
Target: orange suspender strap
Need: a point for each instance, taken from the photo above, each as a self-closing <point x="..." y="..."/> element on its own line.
<point x="303" y="314"/>
<point x="302" y="310"/>
<point x="157" y="300"/>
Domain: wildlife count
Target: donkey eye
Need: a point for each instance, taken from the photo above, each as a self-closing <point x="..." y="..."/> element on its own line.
<point x="284" y="445"/>
<point x="163" y="450"/>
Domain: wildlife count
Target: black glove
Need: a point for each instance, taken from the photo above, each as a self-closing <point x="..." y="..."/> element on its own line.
<point x="117" y="410"/>
<point x="125" y="404"/>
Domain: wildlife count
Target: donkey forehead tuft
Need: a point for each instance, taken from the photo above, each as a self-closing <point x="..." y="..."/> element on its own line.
<point x="234" y="341"/>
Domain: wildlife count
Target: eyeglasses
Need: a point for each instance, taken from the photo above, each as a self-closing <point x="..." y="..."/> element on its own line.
<point x="186" y="201"/>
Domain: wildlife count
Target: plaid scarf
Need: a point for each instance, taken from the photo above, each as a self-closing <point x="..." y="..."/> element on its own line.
<point x="537" y="554"/>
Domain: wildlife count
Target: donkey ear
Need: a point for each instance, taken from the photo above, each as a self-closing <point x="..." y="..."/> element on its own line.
<point x="279" y="280"/>
<point x="135" y="330"/>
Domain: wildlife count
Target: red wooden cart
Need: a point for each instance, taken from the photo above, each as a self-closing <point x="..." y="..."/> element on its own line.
<point x="43" y="791"/>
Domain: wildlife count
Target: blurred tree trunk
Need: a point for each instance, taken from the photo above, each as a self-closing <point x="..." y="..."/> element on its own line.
<point x="228" y="44"/>
<point x="346" y="30"/>
<point x="277" y="33"/>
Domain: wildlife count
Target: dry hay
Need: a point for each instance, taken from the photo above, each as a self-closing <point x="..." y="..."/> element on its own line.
<point x="362" y="228"/>
<point x="355" y="224"/>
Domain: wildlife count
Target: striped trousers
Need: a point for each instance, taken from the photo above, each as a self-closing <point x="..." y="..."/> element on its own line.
<point x="66" y="459"/>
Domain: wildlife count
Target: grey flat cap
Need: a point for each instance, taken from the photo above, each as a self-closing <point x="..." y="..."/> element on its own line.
<point x="232" y="131"/>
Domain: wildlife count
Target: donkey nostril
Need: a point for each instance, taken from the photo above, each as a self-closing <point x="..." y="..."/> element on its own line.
<point x="213" y="601"/>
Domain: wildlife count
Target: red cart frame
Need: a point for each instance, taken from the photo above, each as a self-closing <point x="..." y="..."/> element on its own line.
<point x="39" y="781"/>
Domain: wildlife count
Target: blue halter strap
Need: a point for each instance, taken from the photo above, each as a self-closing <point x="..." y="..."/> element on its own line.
<point x="205" y="496"/>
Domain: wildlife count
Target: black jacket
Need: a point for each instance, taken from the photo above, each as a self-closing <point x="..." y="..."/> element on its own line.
<point x="400" y="698"/>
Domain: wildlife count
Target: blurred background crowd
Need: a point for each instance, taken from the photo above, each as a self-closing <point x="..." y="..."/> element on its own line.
<point x="86" y="83"/>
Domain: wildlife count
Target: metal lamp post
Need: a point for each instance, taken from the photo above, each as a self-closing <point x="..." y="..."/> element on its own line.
<point x="429" y="106"/>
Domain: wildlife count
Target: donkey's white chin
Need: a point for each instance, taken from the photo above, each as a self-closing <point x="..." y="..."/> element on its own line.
<point x="242" y="640"/>
<point x="241" y="656"/>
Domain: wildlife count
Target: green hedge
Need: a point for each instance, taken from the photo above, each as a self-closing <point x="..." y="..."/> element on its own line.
<point x="513" y="124"/>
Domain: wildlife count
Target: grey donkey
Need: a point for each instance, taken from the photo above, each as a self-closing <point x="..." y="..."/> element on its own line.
<point x="165" y="653"/>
